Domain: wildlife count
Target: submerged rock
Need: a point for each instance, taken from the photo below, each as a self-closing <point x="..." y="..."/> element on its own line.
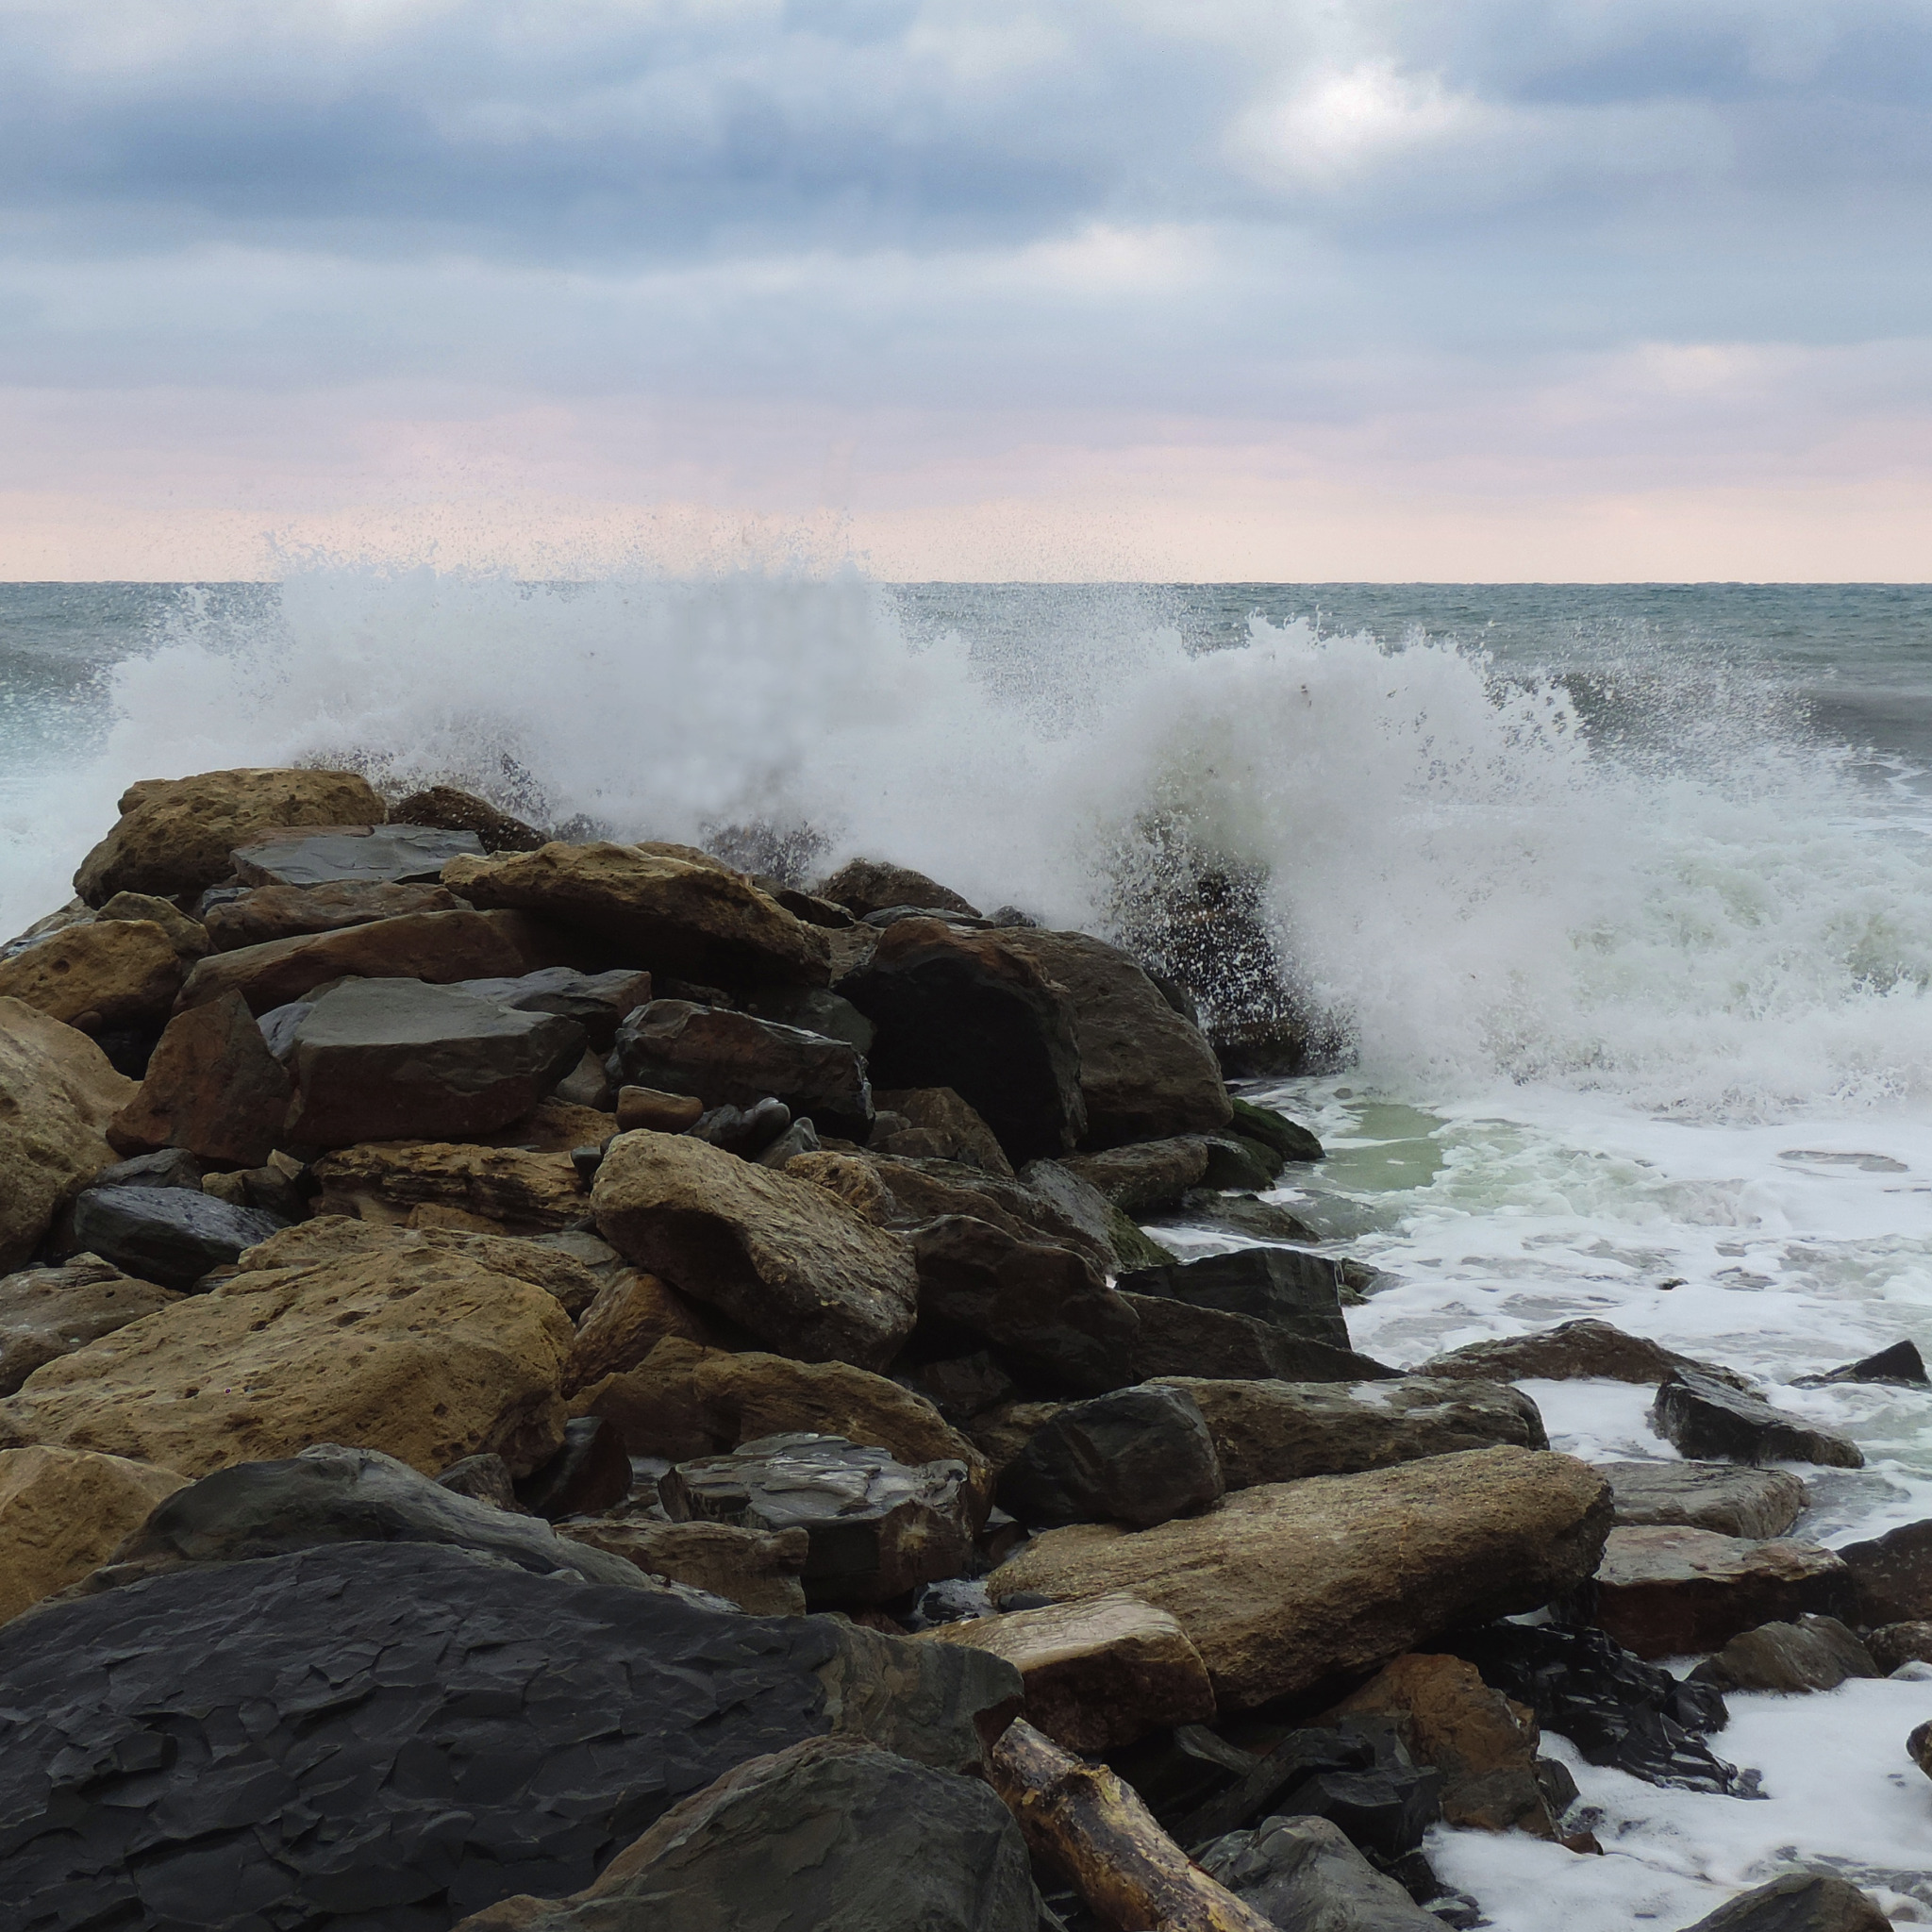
<point x="1573" y="1350"/>
<point x="1703" y="1418"/>
<point x="1799" y="1902"/>
<point x="1811" y="1653"/>
<point x="1892" y="1573"/>
<point x="1900" y="1365"/>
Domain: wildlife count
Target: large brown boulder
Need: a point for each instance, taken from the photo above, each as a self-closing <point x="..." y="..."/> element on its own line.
<point x="630" y="1316"/>
<point x="1145" y="1072"/>
<point x="56" y="1095"/>
<point x="871" y="884"/>
<point x="970" y="1010"/>
<point x="174" y="834"/>
<point x="1279" y="1432"/>
<point x="788" y="1261"/>
<point x="462" y="811"/>
<point x="1571" y="1350"/>
<point x="654" y="1406"/>
<point x="448" y="1184"/>
<point x="1293" y="1586"/>
<point x="62" y="1513"/>
<point x="212" y="1087"/>
<point x="107" y="973"/>
<point x="420" y="1352"/>
<point x="286" y="912"/>
<point x="439" y="948"/>
<point x="698" y="922"/>
<point x="46" y="1313"/>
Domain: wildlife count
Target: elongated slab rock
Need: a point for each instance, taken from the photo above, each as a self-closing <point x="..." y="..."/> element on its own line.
<point x="505" y="1188"/>
<point x="283" y="913"/>
<point x="785" y="1259"/>
<point x="1724" y="1496"/>
<point x="414" y="1350"/>
<point x="699" y="922"/>
<point x="174" y="834"/>
<point x="1292" y="1586"/>
<point x="1288" y="1287"/>
<point x="469" y="1731"/>
<point x="169" y="1236"/>
<point x="350" y="855"/>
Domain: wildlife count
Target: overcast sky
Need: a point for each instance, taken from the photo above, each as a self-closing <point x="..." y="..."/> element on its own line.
<point x="1291" y="289"/>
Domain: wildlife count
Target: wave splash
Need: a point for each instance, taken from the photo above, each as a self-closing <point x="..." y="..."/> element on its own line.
<point x="1699" y="910"/>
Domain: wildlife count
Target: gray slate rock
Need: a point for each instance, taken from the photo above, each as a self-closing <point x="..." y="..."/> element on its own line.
<point x="1701" y="1417"/>
<point x="1137" y="1455"/>
<point x="1799" y="1902"/>
<point x="400" y="1060"/>
<point x="386" y="1738"/>
<point x="169" y="1236"/>
<point x="1901" y="1364"/>
<point x="812" y="1010"/>
<point x="876" y="1527"/>
<point x="1892" y="1574"/>
<point x="895" y="1847"/>
<point x="1723" y="1496"/>
<point x="1177" y="1338"/>
<point x="1302" y="1875"/>
<point x="329" y="1495"/>
<point x="167" y="1167"/>
<point x="397" y="854"/>
<point x="598" y="1002"/>
<point x="1288" y="1287"/>
<point x="733" y="1059"/>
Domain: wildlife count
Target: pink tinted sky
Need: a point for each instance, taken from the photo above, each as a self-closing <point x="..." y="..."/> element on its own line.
<point x="1223" y="290"/>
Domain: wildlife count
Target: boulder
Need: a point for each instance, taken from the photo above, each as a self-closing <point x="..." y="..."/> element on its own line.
<point x="1176" y="1339"/>
<point x="1286" y="1138"/>
<point x="1571" y="1350"/>
<point x="1046" y="1312"/>
<point x="169" y="1236"/>
<point x="62" y="1513"/>
<point x="1666" y="1590"/>
<point x="1720" y="1496"/>
<point x="592" y="1472"/>
<point x="397" y="1059"/>
<point x="731" y="1059"/>
<point x="598" y="1002"/>
<point x="656" y="1112"/>
<point x="174" y="834"/>
<point x="1892" y="1573"/>
<point x="1291" y="1587"/>
<point x="489" y="1732"/>
<point x="1918" y="1748"/>
<point x="968" y="1010"/>
<point x="1799" y="1902"/>
<point x="1484" y="1745"/>
<point x="894" y="1848"/>
<point x="484" y="1479"/>
<point x="414" y="1350"/>
<point x="1901" y="1366"/>
<point x="758" y="1571"/>
<point x="1137" y="1456"/>
<point x="1303" y="1874"/>
<point x="503" y="1190"/>
<point x="1145" y="1072"/>
<point x="455" y="810"/>
<point x="1701" y="1417"/>
<point x="655" y="1405"/>
<point x="100" y="976"/>
<point x="1279" y="1432"/>
<point x="285" y="912"/>
<point x="695" y="922"/>
<point x="211" y="1087"/>
<point x="389" y="855"/>
<point x="876" y="1527"/>
<point x="45" y="1312"/>
<point x="870" y="885"/>
<point x="960" y="1387"/>
<point x="1098" y="1674"/>
<point x="439" y="947"/>
<point x="1149" y="1177"/>
<point x="1288" y="1287"/>
<point x="188" y="936"/>
<point x="913" y="1191"/>
<point x="329" y="1495"/>
<point x="745" y="1397"/>
<point x="57" y="1092"/>
<point x="1813" y="1654"/>
<point x="1894" y="1644"/>
<point x="944" y="1126"/>
<point x="812" y="1010"/>
<point x="629" y="1318"/>
<point x="786" y="1260"/>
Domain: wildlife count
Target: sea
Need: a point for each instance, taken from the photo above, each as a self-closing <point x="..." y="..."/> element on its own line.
<point x="1623" y="895"/>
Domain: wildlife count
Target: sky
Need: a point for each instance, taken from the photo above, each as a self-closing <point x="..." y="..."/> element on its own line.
<point x="1284" y="289"/>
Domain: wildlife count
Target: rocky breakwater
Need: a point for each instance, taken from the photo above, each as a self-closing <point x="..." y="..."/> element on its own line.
<point x="551" y="1384"/>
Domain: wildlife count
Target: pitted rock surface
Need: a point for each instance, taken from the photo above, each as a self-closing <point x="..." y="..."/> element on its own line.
<point x="387" y="1739"/>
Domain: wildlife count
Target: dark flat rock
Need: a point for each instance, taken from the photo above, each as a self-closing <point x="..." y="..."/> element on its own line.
<point x="1288" y="1288"/>
<point x="375" y="855"/>
<point x="1725" y="1496"/>
<point x="170" y="1236"/>
<point x="598" y="1002"/>
<point x="1137" y="1455"/>
<point x="1701" y="1417"/>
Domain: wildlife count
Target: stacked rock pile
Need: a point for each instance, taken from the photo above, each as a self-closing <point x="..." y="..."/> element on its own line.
<point x="562" y="1385"/>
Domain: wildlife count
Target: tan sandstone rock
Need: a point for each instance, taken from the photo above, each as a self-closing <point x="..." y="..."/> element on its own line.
<point x="629" y="1318"/>
<point x="174" y="834"/>
<point x="1100" y="1672"/>
<point x="422" y="1354"/>
<point x="788" y="1261"/>
<point x="505" y="1189"/>
<point x="62" y="1511"/>
<point x="697" y="921"/>
<point x="1289" y="1587"/>
<point x="655" y="1406"/>
<point x="45" y="1312"/>
<point x="758" y="1571"/>
<point x="116" y="972"/>
<point x="56" y="1095"/>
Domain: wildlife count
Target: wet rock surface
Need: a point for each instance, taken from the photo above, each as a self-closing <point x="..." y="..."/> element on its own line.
<point x="1720" y="1496"/>
<point x="169" y="1236"/>
<point x="1137" y="1456"/>
<point x="1892" y="1573"/>
<point x="1703" y="1418"/>
<point x="598" y="1002"/>
<point x="213" y="1089"/>
<point x="1304" y="1872"/>
<point x="1812" y="1654"/>
<point x="456" y="811"/>
<point x="1176" y="1339"/>
<point x="866" y="886"/>
<point x="393" y="854"/>
<point x="1800" y="1902"/>
<point x="1569" y="1350"/>
<point x="494" y="1732"/>
<point x="1288" y="1287"/>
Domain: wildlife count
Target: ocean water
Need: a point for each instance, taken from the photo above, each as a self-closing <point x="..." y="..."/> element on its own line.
<point x="1624" y="894"/>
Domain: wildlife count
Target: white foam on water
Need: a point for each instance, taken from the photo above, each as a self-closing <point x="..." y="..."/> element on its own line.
<point x="1614" y="1002"/>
